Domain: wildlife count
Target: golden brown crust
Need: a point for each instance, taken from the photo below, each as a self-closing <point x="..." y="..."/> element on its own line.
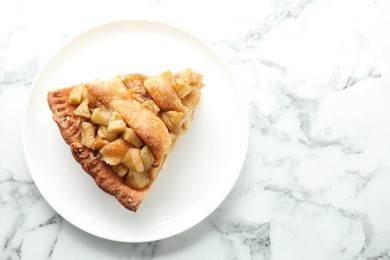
<point x="67" y="122"/>
<point x="147" y="105"/>
<point x="163" y="93"/>
<point x="107" y="90"/>
<point x="146" y="124"/>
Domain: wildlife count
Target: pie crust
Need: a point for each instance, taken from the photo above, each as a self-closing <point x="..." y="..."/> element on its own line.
<point x="121" y="129"/>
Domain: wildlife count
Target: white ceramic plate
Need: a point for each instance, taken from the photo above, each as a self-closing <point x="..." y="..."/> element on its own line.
<point x="198" y="174"/>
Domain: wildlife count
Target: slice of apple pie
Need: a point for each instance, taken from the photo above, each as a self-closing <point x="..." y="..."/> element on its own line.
<point x="121" y="130"/>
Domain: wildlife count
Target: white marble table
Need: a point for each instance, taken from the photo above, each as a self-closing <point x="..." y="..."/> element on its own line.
<point x="316" y="77"/>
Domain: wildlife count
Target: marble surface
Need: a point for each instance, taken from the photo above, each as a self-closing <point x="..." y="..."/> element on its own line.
<point x="316" y="78"/>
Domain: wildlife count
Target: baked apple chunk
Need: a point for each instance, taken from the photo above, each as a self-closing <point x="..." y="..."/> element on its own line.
<point x="121" y="129"/>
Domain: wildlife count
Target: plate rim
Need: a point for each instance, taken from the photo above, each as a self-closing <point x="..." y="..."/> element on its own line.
<point x="244" y="114"/>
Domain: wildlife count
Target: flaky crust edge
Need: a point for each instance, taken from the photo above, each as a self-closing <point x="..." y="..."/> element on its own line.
<point x="105" y="178"/>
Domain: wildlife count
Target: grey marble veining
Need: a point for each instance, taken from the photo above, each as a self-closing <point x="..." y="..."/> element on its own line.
<point x="315" y="75"/>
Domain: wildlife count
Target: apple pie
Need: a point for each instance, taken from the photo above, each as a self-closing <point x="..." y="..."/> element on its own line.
<point x="121" y="129"/>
